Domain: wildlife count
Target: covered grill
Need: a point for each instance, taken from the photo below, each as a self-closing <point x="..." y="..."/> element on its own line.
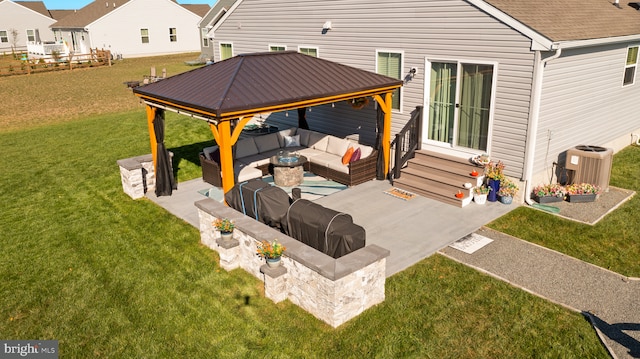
<point x="324" y="229"/>
<point x="261" y="201"/>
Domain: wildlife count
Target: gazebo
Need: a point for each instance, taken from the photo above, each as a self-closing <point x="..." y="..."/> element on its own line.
<point x="234" y="90"/>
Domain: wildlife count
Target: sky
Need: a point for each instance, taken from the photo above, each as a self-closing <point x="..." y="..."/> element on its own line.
<point x="77" y="4"/>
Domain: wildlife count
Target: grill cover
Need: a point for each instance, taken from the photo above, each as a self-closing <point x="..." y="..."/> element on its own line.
<point x="331" y="232"/>
<point x="259" y="200"/>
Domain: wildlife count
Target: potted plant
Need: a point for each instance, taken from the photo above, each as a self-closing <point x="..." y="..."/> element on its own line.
<point x="494" y="173"/>
<point x="547" y="193"/>
<point x="582" y="192"/>
<point x="271" y="251"/>
<point x="508" y="190"/>
<point x="225" y="226"/>
<point x="480" y="194"/>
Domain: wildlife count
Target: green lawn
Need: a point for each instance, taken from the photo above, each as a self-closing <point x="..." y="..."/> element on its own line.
<point x="612" y="243"/>
<point x="113" y="277"/>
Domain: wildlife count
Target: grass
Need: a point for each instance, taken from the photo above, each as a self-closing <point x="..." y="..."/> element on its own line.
<point x="111" y="277"/>
<point x="612" y="243"/>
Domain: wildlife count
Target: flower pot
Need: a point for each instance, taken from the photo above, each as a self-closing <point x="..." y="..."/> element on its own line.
<point x="548" y="199"/>
<point x="274" y="262"/>
<point x="226" y="236"/>
<point x="581" y="198"/>
<point x="505" y="199"/>
<point x="494" y="187"/>
<point x="480" y="198"/>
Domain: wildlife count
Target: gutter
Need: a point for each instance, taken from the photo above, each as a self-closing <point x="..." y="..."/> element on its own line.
<point x="538" y="75"/>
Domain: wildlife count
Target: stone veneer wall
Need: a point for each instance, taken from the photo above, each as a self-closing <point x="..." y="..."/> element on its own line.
<point x="333" y="290"/>
<point x="137" y="175"/>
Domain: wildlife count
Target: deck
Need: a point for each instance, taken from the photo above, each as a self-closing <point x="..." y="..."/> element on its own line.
<point x="412" y="230"/>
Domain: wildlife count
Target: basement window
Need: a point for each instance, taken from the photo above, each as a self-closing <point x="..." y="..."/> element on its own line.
<point x="630" y="66"/>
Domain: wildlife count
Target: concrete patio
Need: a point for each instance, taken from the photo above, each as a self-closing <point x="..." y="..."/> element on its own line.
<point x="411" y="230"/>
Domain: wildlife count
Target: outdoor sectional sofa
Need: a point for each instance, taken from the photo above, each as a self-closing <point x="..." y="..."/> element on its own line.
<point x="324" y="155"/>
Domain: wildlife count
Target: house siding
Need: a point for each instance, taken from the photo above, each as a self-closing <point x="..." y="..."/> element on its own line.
<point x="584" y="103"/>
<point x="15" y="16"/>
<point x="119" y="31"/>
<point x="435" y="30"/>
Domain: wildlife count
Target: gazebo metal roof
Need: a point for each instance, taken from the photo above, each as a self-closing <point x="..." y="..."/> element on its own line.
<point x="264" y="82"/>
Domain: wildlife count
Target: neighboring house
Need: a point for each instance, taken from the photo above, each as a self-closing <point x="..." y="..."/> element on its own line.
<point x="132" y="28"/>
<point x="523" y="81"/>
<point x="22" y="22"/>
<point x="206" y="24"/>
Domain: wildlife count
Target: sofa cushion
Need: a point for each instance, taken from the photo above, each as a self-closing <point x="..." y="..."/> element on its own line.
<point x="267" y="142"/>
<point x="337" y="146"/>
<point x="318" y="141"/>
<point x="346" y="158"/>
<point x="365" y="150"/>
<point x="304" y="136"/>
<point x="337" y="165"/>
<point x="246" y="147"/>
<point x="254" y="160"/>
<point x="323" y="159"/>
<point x="212" y="153"/>
<point x="288" y="132"/>
<point x="244" y="173"/>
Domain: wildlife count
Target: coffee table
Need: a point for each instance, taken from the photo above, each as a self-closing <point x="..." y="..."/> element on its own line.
<point x="288" y="171"/>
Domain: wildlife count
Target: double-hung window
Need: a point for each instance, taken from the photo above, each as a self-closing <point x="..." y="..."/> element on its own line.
<point x="173" y="34"/>
<point x="311" y="51"/>
<point x="226" y="50"/>
<point x="630" y="66"/>
<point x="390" y="64"/>
<point x="144" y="35"/>
<point x="205" y="37"/>
<point x="4" y="37"/>
<point x="31" y="35"/>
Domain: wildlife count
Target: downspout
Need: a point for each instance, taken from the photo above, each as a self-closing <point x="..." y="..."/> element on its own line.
<point x="532" y="137"/>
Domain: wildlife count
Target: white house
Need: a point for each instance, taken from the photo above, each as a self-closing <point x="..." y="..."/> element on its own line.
<point x="524" y="81"/>
<point x="22" y="22"/>
<point x="133" y="28"/>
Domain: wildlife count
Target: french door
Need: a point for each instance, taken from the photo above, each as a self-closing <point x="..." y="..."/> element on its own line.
<point x="460" y="98"/>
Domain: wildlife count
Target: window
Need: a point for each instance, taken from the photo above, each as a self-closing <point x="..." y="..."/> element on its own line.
<point x="173" y="34"/>
<point x="226" y="51"/>
<point x="630" y="66"/>
<point x="144" y="34"/>
<point x="390" y="64"/>
<point x="311" y="51"/>
<point x="273" y="48"/>
<point x="31" y="35"/>
<point x="205" y="38"/>
<point x="3" y="36"/>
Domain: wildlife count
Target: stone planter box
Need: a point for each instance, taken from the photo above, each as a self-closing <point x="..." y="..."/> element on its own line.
<point x="333" y="290"/>
<point x="548" y="199"/>
<point x="581" y="198"/>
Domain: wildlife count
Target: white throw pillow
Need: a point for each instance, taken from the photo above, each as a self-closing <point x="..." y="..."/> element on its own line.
<point x="292" y="141"/>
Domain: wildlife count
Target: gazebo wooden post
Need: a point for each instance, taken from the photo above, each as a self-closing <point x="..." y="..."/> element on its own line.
<point x="225" y="140"/>
<point x="151" y="114"/>
<point x="385" y="106"/>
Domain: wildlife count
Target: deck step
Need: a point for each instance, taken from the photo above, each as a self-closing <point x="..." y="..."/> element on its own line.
<point x="440" y="177"/>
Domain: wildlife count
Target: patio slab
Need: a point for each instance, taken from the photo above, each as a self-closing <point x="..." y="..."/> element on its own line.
<point x="410" y="229"/>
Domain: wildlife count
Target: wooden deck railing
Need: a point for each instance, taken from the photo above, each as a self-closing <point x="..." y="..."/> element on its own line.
<point x="407" y="141"/>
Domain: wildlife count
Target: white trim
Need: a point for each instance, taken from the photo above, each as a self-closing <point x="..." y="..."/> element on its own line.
<point x="454" y="148"/>
<point x="401" y="52"/>
<point x="220" y="43"/>
<point x="597" y="42"/>
<point x="226" y="15"/>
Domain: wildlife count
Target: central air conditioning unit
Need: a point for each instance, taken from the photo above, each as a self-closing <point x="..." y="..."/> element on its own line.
<point x="590" y="164"/>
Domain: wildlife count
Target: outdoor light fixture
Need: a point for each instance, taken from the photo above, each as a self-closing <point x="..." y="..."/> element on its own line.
<point x="413" y="72"/>
<point x="326" y="27"/>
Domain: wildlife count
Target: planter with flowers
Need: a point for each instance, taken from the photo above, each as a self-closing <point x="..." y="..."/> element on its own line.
<point x="271" y="252"/>
<point x="494" y="173"/>
<point x="480" y="194"/>
<point x="225" y="226"/>
<point x="582" y="192"/>
<point x="508" y="190"/>
<point x="549" y="193"/>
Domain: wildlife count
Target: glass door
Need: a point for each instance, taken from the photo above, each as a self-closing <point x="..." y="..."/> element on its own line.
<point x="460" y="98"/>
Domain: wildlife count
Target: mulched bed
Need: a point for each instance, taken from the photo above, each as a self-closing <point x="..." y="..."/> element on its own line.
<point x="592" y="212"/>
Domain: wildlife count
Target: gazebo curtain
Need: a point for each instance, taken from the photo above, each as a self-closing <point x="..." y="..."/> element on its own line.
<point x="380" y="175"/>
<point x="165" y="182"/>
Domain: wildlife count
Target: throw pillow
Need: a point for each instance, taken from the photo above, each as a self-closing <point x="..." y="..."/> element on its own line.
<point x="347" y="156"/>
<point x="292" y="141"/>
<point x="356" y="155"/>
